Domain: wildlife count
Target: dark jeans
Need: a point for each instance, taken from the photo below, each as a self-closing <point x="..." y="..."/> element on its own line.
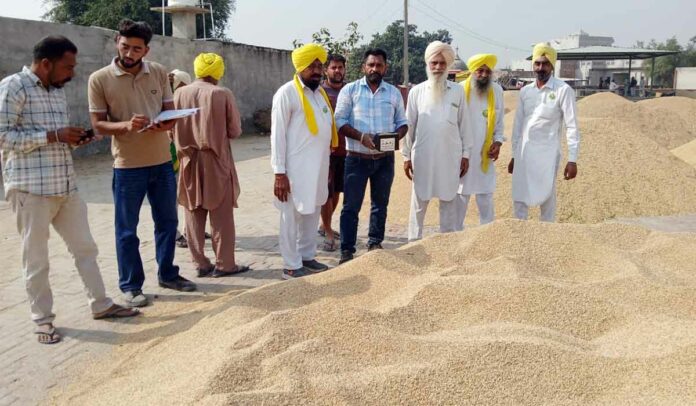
<point x="358" y="171"/>
<point x="129" y="187"/>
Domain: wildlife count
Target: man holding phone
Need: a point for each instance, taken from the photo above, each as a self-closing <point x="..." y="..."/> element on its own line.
<point x="122" y="98"/>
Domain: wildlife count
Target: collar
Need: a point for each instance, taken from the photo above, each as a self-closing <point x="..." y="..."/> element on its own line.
<point x="363" y="82"/>
<point x="120" y="72"/>
<point x="552" y="84"/>
<point x="305" y="86"/>
<point x="32" y="76"/>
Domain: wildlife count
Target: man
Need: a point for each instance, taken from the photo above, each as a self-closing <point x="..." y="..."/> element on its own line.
<point x="544" y="107"/>
<point x="364" y="108"/>
<point x="436" y="151"/>
<point x="485" y="101"/>
<point x="335" y="73"/>
<point x="613" y="87"/>
<point x="123" y="98"/>
<point x="208" y="184"/>
<point x="302" y="131"/>
<point x="39" y="180"/>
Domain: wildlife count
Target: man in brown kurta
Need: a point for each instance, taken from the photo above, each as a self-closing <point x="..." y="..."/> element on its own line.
<point x="208" y="184"/>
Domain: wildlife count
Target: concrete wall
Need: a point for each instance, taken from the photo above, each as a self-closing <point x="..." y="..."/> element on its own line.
<point x="253" y="73"/>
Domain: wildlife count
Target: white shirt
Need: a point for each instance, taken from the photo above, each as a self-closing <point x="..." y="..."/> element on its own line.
<point x="536" y="146"/>
<point x="439" y="136"/>
<point x="295" y="151"/>
<point x="476" y="181"/>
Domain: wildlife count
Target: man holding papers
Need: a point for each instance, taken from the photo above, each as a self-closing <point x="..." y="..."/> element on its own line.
<point x="123" y="96"/>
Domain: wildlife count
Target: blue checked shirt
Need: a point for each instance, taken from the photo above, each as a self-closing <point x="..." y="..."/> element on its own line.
<point x="367" y="112"/>
<point x="27" y="112"/>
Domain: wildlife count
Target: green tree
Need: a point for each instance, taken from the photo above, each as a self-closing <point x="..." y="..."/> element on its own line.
<point x="343" y="46"/>
<point x="665" y="65"/>
<point x="107" y="14"/>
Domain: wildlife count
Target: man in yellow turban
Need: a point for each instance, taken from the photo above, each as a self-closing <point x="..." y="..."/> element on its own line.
<point x="438" y="142"/>
<point x="485" y="102"/>
<point x="545" y="107"/>
<point x="302" y="132"/>
<point x="209" y="65"/>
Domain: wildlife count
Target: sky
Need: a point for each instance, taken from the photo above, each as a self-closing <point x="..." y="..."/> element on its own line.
<point x="492" y="26"/>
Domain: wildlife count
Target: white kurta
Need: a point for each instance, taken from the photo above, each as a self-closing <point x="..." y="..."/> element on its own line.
<point x="476" y="181"/>
<point x="536" y="135"/>
<point x="438" y="137"/>
<point x="295" y="151"/>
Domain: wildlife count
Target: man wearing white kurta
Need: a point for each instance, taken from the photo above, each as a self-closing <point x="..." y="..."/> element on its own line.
<point x="544" y="107"/>
<point x="302" y="132"/>
<point x="436" y="151"/>
<point x="485" y="103"/>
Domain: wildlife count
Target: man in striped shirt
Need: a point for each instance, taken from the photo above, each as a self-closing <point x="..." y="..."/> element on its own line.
<point x="39" y="180"/>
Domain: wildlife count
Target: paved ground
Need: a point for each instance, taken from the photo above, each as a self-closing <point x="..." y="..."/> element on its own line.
<point x="30" y="370"/>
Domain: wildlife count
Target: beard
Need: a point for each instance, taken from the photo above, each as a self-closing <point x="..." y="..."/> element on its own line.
<point x="482" y="84"/>
<point x="374" y="78"/>
<point x="543" y="76"/>
<point x="438" y="86"/>
<point x="128" y="64"/>
<point x="60" y="84"/>
<point x="336" y="79"/>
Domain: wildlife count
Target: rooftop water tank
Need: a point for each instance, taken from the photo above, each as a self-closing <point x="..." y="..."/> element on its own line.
<point x="181" y="3"/>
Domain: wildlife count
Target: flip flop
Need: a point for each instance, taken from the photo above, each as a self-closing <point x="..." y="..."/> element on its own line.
<point x="329" y="245"/>
<point x="48" y="337"/>
<point x="116" y="312"/>
<point x="220" y="274"/>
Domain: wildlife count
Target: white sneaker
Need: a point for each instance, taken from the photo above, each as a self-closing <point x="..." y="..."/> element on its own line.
<point x="135" y="299"/>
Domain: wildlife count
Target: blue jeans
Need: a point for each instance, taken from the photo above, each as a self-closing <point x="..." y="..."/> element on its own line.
<point x="358" y="171"/>
<point x="130" y="186"/>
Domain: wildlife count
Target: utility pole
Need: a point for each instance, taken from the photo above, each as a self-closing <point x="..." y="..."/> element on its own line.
<point x="405" y="59"/>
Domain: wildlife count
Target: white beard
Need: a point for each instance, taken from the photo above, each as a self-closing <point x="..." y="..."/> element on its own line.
<point x="438" y="86"/>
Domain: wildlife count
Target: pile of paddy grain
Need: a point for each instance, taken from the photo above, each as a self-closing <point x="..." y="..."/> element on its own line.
<point x="510" y="313"/>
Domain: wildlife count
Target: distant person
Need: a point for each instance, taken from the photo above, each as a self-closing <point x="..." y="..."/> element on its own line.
<point x="600" y="85"/>
<point x="632" y="86"/>
<point x="302" y="132"/>
<point x="438" y="143"/>
<point x="607" y="82"/>
<point x="544" y="108"/>
<point x="335" y="72"/>
<point x="208" y="184"/>
<point x="123" y="97"/>
<point x="485" y="103"/>
<point x="614" y="87"/>
<point x="642" y="86"/>
<point x="39" y="180"/>
<point x="366" y="107"/>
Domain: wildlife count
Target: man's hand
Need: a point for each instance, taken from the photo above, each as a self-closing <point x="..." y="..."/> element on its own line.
<point x="511" y="165"/>
<point x="408" y="169"/>
<point x="281" y="189"/>
<point x="366" y="141"/>
<point x="494" y="150"/>
<point x="70" y="135"/>
<point x="162" y="126"/>
<point x="571" y="171"/>
<point x="137" y="123"/>
<point x="463" y="167"/>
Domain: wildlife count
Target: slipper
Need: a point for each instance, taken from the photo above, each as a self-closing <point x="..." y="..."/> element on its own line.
<point x="220" y="274"/>
<point x="322" y="233"/>
<point x="329" y="245"/>
<point x="205" y="272"/>
<point x="181" y="242"/>
<point x="48" y="337"/>
<point x="208" y="236"/>
<point x="116" y="312"/>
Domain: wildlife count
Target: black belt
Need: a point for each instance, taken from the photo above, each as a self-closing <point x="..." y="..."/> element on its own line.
<point x="373" y="157"/>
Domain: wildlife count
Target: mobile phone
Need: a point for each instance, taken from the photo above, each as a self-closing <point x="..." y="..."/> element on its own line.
<point x="89" y="134"/>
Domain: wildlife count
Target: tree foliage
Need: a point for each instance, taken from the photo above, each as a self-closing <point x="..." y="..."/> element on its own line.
<point x="665" y="65"/>
<point x="107" y="14"/>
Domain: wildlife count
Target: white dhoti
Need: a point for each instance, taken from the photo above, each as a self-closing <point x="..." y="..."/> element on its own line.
<point x="484" y="202"/>
<point x="297" y="240"/>
<point x="548" y="208"/>
<point x="448" y="217"/>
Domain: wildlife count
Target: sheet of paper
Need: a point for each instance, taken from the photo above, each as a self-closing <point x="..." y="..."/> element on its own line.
<point x="171" y="115"/>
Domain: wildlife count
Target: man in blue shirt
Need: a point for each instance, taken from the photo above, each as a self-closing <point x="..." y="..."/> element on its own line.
<point x="366" y="107"/>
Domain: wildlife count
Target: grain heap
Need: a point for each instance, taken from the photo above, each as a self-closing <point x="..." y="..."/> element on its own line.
<point x="513" y="312"/>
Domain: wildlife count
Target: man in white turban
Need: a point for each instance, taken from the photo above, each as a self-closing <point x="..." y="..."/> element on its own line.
<point x="438" y="142"/>
<point x="485" y="102"/>
<point x="545" y="107"/>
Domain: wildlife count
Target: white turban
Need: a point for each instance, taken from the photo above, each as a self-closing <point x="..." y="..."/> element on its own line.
<point x="438" y="47"/>
<point x="180" y="77"/>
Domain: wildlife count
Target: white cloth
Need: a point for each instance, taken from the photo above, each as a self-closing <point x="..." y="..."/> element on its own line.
<point x="548" y="208"/>
<point x="476" y="181"/>
<point x="485" y="205"/>
<point x="536" y="135"/>
<point x="68" y="215"/>
<point x="448" y="217"/>
<point x="438" y="137"/>
<point x="295" y="151"/>
<point x="298" y="235"/>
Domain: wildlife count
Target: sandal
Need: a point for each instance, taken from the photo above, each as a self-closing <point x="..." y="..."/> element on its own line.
<point x="322" y="233"/>
<point x="329" y="245"/>
<point x="48" y="337"/>
<point x="221" y="274"/>
<point x="181" y="242"/>
<point x="116" y="312"/>
<point x="208" y="236"/>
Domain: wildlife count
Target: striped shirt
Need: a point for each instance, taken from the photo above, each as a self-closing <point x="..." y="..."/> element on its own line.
<point x="27" y="112"/>
<point x="367" y="112"/>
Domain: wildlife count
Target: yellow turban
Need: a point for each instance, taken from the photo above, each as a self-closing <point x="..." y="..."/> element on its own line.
<point x="438" y="47"/>
<point x="209" y="65"/>
<point x="303" y="56"/>
<point x="479" y="60"/>
<point x="544" y="49"/>
<point x="474" y="63"/>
